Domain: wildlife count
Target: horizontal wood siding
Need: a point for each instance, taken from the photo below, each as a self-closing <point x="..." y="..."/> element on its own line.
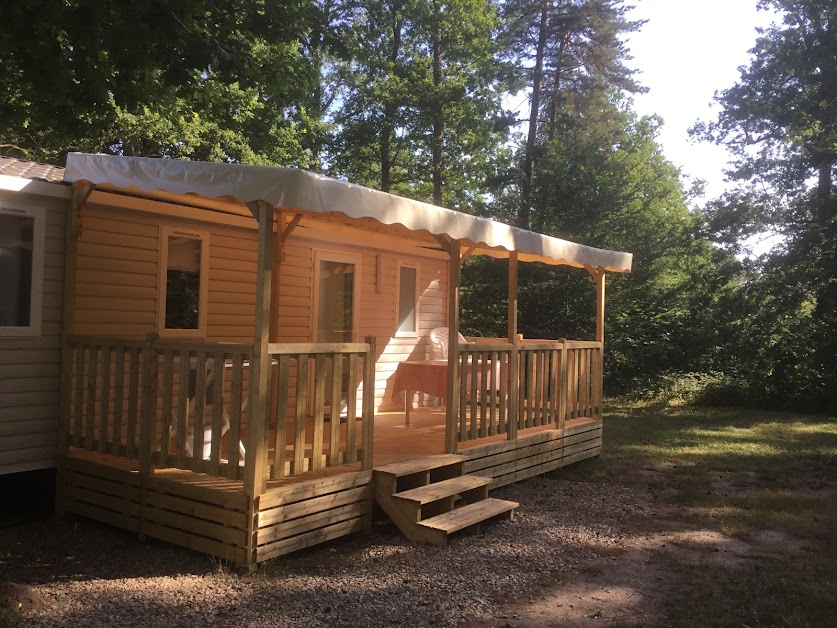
<point x="118" y="266"/>
<point x="377" y="310"/>
<point x="30" y="366"/>
<point x="302" y="515"/>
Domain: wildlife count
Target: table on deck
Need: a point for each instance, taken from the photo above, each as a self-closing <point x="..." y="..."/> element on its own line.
<point x="430" y="377"/>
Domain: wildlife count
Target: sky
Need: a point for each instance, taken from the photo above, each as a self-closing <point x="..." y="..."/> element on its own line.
<point x="688" y="50"/>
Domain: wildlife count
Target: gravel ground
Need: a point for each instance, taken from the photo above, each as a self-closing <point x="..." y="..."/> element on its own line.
<point x="79" y="573"/>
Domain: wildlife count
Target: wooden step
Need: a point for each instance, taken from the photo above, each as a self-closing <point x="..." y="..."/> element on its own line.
<point x="468" y="516"/>
<point x="446" y="488"/>
<point x="418" y="465"/>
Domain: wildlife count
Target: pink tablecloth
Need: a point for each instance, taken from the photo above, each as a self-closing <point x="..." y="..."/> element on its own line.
<point x="427" y="376"/>
<point x="431" y="377"/>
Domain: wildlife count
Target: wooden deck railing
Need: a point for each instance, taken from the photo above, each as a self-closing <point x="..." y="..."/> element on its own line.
<point x="184" y="404"/>
<point x="506" y="387"/>
<point x="316" y="406"/>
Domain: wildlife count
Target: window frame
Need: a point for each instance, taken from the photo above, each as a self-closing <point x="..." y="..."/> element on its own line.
<point x="36" y="297"/>
<point x="414" y="333"/>
<point x="162" y="279"/>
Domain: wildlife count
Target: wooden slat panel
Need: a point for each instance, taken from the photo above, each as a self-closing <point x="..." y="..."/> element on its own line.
<point x="315" y="537"/>
<point x="198" y="543"/>
<point x="266" y="518"/>
<point x="313" y="521"/>
<point x="278" y="496"/>
<point x="231" y="518"/>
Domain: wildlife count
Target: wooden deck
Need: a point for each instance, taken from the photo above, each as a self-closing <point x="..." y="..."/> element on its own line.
<point x="213" y="514"/>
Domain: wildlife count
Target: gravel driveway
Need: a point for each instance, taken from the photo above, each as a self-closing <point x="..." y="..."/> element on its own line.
<point x="79" y="573"/>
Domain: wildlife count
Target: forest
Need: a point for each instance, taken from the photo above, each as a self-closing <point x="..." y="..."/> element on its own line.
<point x="413" y="97"/>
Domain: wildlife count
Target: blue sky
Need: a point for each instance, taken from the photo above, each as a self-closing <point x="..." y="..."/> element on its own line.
<point x="688" y="50"/>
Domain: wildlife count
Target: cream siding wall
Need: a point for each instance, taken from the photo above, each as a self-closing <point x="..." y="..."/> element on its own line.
<point x="30" y="366"/>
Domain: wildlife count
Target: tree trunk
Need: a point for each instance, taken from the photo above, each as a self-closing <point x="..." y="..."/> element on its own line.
<point x="436" y="105"/>
<point x="390" y="110"/>
<point x="556" y="88"/>
<point x="524" y="218"/>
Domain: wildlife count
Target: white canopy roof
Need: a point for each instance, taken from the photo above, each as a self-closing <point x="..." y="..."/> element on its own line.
<point x="299" y="189"/>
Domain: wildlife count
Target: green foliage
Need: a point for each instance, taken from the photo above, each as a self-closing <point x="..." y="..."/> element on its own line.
<point x="224" y="82"/>
<point x="780" y="120"/>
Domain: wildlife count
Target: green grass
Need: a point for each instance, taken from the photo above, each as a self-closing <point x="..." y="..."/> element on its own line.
<point x="738" y="472"/>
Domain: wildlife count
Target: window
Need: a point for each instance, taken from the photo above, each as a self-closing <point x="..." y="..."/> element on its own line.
<point x="407" y="311"/>
<point x="183" y="283"/>
<point x="21" y="271"/>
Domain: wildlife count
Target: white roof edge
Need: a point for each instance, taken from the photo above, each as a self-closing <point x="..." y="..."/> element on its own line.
<point x="300" y="189"/>
<point x="33" y="186"/>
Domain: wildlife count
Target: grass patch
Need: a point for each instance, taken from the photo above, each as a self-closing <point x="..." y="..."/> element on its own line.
<point x="766" y="478"/>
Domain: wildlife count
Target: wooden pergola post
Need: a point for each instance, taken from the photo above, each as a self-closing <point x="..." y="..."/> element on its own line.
<point x="256" y="458"/>
<point x="453" y="383"/>
<point x="514" y="366"/>
<point x="599" y="275"/>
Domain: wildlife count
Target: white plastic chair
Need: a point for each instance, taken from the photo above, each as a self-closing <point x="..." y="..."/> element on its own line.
<point x="439" y="343"/>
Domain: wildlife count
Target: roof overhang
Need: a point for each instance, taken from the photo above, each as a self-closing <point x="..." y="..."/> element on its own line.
<point x="305" y="191"/>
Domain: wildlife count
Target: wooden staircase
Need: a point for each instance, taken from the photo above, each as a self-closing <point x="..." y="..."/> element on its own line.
<point x="430" y="498"/>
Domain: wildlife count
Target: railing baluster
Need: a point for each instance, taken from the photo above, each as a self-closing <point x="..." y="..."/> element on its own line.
<point x="481" y="370"/>
<point x="319" y="412"/>
<point x="166" y="387"/>
<point x="280" y="437"/>
<point x="493" y="371"/>
<point x="301" y="408"/>
<point x="336" y="403"/>
<point x="104" y="400"/>
<point x="351" y="445"/>
<point x="133" y="397"/>
<point x="464" y="357"/>
<point x="185" y="358"/>
<point x="502" y="415"/>
<point x="78" y="398"/>
<point x="90" y="417"/>
<point x="234" y="443"/>
<point x="200" y="408"/>
<point x="118" y="394"/>
<point x="219" y="363"/>
<point x="473" y="376"/>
